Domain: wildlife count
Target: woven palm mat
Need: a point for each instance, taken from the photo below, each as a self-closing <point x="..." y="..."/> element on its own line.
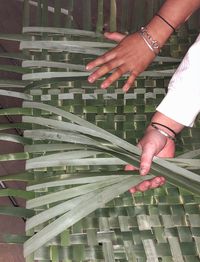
<point x="157" y="225"/>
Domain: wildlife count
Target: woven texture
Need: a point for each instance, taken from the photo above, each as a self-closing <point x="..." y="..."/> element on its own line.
<point x="155" y="226"/>
<point x="158" y="225"/>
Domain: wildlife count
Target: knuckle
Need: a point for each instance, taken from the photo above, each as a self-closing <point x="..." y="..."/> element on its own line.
<point x="109" y="66"/>
<point x="135" y="73"/>
<point x="120" y="71"/>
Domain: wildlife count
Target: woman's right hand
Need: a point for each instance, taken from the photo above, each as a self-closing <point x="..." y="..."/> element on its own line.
<point x="131" y="55"/>
<point x="152" y="144"/>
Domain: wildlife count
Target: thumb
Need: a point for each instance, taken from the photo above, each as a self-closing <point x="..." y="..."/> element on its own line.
<point x="115" y="36"/>
<point x="148" y="152"/>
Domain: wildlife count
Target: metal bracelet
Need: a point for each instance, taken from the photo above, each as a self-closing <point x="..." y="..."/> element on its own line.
<point x="163" y="132"/>
<point x="153" y="45"/>
<point x="170" y="129"/>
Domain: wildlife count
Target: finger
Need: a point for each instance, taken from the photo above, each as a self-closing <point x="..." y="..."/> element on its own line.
<point x="163" y="180"/>
<point x="129" y="82"/>
<point x="144" y="186"/>
<point x="156" y="182"/>
<point x="130" y="168"/>
<point x="150" y="184"/>
<point x="115" y="36"/>
<point x="148" y="152"/>
<point x="132" y="190"/>
<point x="108" y="56"/>
<point x="115" y="75"/>
<point x="106" y="68"/>
<point x="141" y="187"/>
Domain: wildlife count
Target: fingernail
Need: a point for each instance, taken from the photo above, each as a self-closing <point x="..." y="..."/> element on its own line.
<point x="104" y="85"/>
<point x="125" y="89"/>
<point x="87" y="67"/>
<point x="132" y="190"/>
<point x="91" y="79"/>
<point x="162" y="180"/>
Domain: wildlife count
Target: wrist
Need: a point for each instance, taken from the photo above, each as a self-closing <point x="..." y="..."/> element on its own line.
<point x="158" y="137"/>
<point x="152" y="44"/>
<point x="164" y="130"/>
<point x="159" y="30"/>
<point x="166" y="121"/>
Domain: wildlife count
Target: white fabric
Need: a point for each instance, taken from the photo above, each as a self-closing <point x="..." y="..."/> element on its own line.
<point x="182" y="102"/>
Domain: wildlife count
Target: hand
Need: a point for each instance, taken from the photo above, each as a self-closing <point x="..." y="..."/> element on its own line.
<point x="152" y="144"/>
<point x="130" y="55"/>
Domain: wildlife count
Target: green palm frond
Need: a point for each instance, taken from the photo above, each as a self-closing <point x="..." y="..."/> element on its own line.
<point x="94" y="190"/>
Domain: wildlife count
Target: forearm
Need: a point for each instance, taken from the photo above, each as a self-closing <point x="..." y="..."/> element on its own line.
<point x="183" y="87"/>
<point x="166" y="121"/>
<point x="175" y="12"/>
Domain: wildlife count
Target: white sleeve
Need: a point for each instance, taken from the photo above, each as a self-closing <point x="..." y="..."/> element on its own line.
<point x="182" y="102"/>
